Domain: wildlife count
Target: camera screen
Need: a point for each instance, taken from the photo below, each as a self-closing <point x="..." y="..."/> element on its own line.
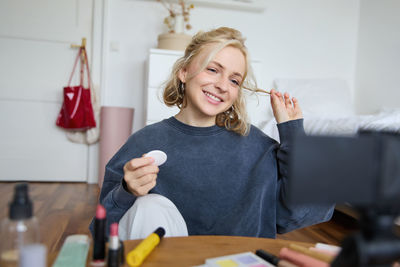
<point x="361" y="170"/>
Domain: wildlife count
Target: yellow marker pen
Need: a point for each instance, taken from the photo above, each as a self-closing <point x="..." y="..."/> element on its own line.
<point x="139" y="253"/>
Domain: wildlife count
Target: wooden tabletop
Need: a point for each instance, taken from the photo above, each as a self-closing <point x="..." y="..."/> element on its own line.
<point x="194" y="250"/>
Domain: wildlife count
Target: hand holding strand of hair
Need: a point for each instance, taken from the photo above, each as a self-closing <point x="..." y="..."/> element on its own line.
<point x="285" y="108"/>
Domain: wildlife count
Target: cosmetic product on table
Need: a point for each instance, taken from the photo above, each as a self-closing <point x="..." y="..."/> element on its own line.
<point x="300" y="259"/>
<point x="114" y="256"/>
<point x="74" y="252"/>
<point x="273" y="259"/>
<point x="245" y="259"/>
<point x="33" y="255"/>
<point x="99" y="238"/>
<point x="313" y="254"/>
<point x="334" y="249"/>
<point x="20" y="230"/>
<point x="139" y="253"/>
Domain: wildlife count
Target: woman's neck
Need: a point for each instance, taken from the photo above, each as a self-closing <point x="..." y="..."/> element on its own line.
<point x="192" y="119"/>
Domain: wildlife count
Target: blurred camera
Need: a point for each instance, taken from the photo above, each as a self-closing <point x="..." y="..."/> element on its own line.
<point x="363" y="170"/>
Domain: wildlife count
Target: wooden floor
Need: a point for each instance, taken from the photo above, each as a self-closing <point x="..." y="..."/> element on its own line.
<point x="62" y="209"/>
<point x="67" y="208"/>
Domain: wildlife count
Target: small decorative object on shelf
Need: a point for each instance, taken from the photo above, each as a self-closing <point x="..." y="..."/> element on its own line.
<point x="178" y="18"/>
<point x="177" y="22"/>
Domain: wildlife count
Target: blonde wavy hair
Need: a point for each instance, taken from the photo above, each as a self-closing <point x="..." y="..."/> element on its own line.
<point x="235" y="118"/>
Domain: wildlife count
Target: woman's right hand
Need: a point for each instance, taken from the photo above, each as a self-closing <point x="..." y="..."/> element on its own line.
<point x="284" y="108"/>
<point x="140" y="175"/>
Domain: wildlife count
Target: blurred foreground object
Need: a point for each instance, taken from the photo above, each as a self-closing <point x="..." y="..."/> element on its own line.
<point x="20" y="233"/>
<point x="364" y="171"/>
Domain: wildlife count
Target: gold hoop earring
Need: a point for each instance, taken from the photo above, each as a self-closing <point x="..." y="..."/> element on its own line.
<point x="230" y="112"/>
<point x="181" y="90"/>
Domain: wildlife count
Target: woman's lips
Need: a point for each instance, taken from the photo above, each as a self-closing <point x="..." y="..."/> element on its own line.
<point x="212" y="98"/>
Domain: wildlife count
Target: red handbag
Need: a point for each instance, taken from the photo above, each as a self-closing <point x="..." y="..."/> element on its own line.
<point x="77" y="111"/>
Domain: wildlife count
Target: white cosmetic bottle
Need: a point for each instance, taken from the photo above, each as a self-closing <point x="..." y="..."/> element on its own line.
<point x="20" y="230"/>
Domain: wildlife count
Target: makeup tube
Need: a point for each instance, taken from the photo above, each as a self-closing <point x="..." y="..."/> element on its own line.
<point x="139" y="254"/>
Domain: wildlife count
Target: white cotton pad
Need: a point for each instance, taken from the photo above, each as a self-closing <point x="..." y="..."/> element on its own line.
<point x="159" y="157"/>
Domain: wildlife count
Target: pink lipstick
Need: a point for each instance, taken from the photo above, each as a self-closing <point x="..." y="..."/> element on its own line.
<point x="114" y="254"/>
<point x="99" y="241"/>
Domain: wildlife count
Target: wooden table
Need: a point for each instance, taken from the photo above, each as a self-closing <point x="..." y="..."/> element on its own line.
<point x="194" y="250"/>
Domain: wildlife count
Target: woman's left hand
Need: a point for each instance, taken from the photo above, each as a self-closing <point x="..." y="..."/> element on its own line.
<point x="284" y="108"/>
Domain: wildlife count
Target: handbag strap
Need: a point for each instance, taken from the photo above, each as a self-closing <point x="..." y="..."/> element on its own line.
<point x="93" y="92"/>
<point x="87" y="68"/>
<point x="82" y="51"/>
<point x="73" y="69"/>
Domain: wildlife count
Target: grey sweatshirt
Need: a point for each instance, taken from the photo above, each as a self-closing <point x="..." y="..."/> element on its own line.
<point x="221" y="182"/>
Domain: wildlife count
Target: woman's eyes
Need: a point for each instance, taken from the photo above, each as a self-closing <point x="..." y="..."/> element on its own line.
<point x="235" y="82"/>
<point x="214" y="70"/>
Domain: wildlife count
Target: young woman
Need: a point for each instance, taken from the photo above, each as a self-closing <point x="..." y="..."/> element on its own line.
<point x="223" y="176"/>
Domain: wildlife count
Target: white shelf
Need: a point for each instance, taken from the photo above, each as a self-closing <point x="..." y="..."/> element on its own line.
<point x="166" y="52"/>
<point x="244" y="5"/>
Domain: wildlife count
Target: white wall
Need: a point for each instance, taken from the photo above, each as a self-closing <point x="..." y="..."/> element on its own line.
<point x="35" y="63"/>
<point x="291" y="38"/>
<point x="378" y="57"/>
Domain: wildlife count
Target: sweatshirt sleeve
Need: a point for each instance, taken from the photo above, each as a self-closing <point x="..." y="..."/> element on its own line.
<point x="114" y="195"/>
<point x="292" y="216"/>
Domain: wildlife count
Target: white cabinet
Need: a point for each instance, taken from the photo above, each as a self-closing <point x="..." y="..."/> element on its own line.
<point x="159" y="67"/>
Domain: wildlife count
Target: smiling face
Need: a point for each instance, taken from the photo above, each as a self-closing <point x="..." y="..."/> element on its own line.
<point x="214" y="89"/>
